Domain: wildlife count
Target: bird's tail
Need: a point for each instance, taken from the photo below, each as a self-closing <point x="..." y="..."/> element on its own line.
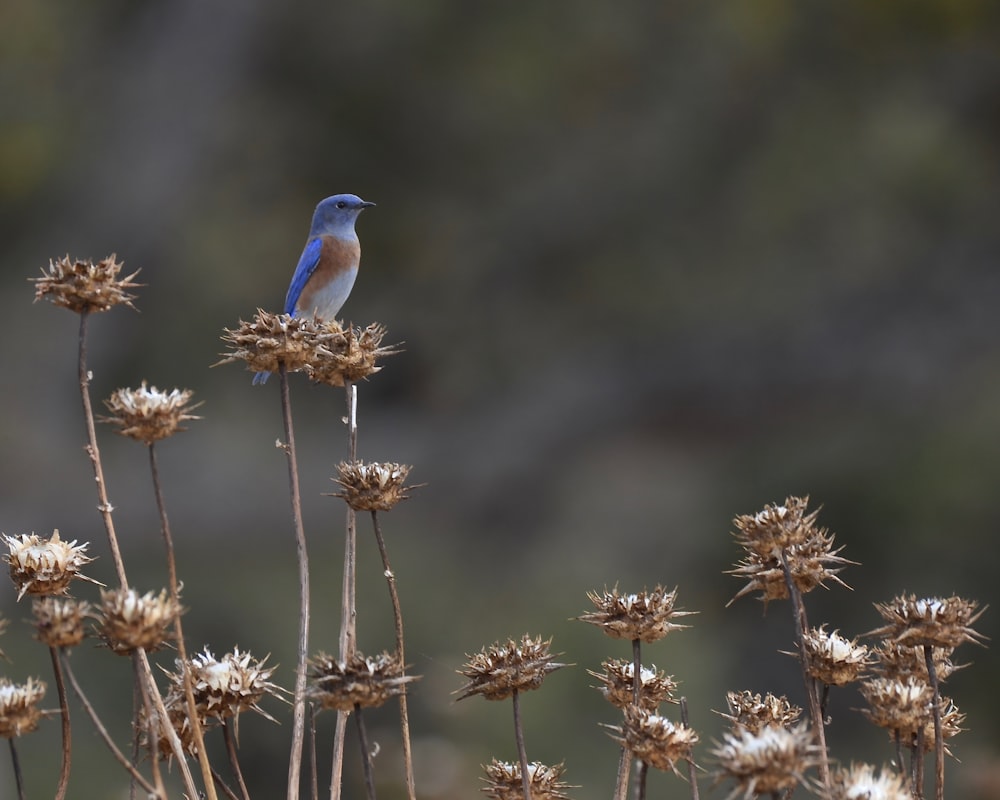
<point x="261" y="378"/>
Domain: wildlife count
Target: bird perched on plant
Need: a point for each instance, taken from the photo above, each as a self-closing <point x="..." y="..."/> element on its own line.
<point x="329" y="263"/>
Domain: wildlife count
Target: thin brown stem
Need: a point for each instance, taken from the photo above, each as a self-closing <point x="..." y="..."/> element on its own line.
<point x="313" y="766"/>
<point x="917" y="766"/>
<point x="67" y="739"/>
<point x="16" y="766"/>
<point x="218" y="781"/>
<point x="152" y="721"/>
<point x="640" y="780"/>
<point x="692" y="769"/>
<point x="234" y="761"/>
<point x="522" y="753"/>
<point x="636" y="671"/>
<point x="397" y="615"/>
<point x="812" y="693"/>
<point x="103" y="504"/>
<point x="119" y="756"/>
<point x="366" y="753"/>
<point x="299" y="700"/>
<point x="624" y="767"/>
<point x="192" y="708"/>
<point x="938" y="732"/>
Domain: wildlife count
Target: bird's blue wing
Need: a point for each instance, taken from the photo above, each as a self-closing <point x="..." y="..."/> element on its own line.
<point x="307" y="265"/>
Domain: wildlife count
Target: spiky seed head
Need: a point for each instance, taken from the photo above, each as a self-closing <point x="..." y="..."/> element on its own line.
<point x="655" y="740"/>
<point x="902" y="661"/>
<point x="365" y="681"/>
<point x="771" y="761"/>
<point x="225" y="687"/>
<point x="129" y="620"/>
<point x="785" y="534"/>
<point x="85" y="287"/>
<point x="154" y="738"/>
<point x="148" y="414"/>
<point x="372" y="487"/>
<point x="833" y="659"/>
<point x="951" y="726"/>
<point x="44" y="566"/>
<point x="646" y="616"/>
<point x="933" y="621"/>
<point x="617" y="683"/>
<point x="752" y="712"/>
<point x="861" y="783"/>
<point x="60" y="623"/>
<point x="19" y="711"/>
<point x="351" y="355"/>
<point x="499" y="670"/>
<point x="898" y="705"/>
<point x="503" y="781"/>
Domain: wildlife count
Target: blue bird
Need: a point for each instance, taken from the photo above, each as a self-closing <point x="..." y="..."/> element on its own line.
<point x="329" y="263"/>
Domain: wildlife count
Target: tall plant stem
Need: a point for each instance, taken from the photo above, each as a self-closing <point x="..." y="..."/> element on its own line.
<point x="103" y="504"/>
<point x="938" y="733"/>
<point x="366" y="753"/>
<point x="152" y="723"/>
<point x="192" y="709"/>
<point x="397" y="615"/>
<point x="812" y="693"/>
<point x="692" y="769"/>
<point x="640" y="780"/>
<point x="522" y="753"/>
<point x="299" y="700"/>
<point x="16" y="766"/>
<point x="234" y="762"/>
<point x="67" y="739"/>
<point x="120" y="757"/>
<point x="348" y="606"/>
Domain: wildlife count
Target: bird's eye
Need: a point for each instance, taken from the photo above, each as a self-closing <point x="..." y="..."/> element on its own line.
<point x="341" y="204"/>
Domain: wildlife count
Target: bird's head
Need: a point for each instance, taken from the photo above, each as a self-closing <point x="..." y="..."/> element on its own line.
<point x="336" y="215"/>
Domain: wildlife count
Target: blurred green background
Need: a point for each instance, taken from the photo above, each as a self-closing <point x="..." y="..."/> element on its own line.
<point x="654" y="265"/>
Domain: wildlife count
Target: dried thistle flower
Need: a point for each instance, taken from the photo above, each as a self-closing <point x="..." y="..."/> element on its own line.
<point x="148" y="414"/>
<point x="177" y="713"/>
<point x="59" y="623"/>
<point x="785" y="534"/>
<point x="351" y="355"/>
<point x="901" y="661"/>
<point x="832" y="659"/>
<point x="372" y="487"/>
<point x="19" y="712"/>
<point x="225" y="687"/>
<point x="860" y="783"/>
<point x="503" y="781"/>
<point x="647" y="616"/>
<point x="902" y="706"/>
<point x="951" y="725"/>
<point x="935" y="621"/>
<point x="655" y="740"/>
<point x="325" y="351"/>
<point x="754" y="713"/>
<point x="128" y="620"/>
<point x="499" y="670"/>
<point x="771" y="761"/>
<point x="365" y="681"/>
<point x="44" y="566"/>
<point x="617" y="684"/>
<point x="83" y="286"/>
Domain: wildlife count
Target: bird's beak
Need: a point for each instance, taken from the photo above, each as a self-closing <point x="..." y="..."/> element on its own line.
<point x="367" y="204"/>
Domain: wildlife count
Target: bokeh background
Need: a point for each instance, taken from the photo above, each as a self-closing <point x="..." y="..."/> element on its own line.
<point x="654" y="265"/>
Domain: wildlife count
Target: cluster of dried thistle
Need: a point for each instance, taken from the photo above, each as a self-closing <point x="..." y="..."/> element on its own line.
<point x="771" y="748"/>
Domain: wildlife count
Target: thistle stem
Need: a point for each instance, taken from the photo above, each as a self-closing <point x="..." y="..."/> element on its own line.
<point x="234" y="762"/>
<point x="67" y="739"/>
<point x="938" y="733"/>
<point x="192" y="709"/>
<point x="313" y="767"/>
<point x="522" y="754"/>
<point x="692" y="769"/>
<point x="636" y="670"/>
<point x="366" y="753"/>
<point x="397" y="615"/>
<point x="299" y="700"/>
<point x="640" y="778"/>
<point x="16" y="766"/>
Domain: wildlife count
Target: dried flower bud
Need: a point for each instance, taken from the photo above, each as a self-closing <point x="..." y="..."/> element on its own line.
<point x="372" y="487"/>
<point x="655" y="740"/>
<point x="902" y="706"/>
<point x="781" y="535"/>
<point x="497" y="671"/>
<point x="951" y="725"/>
<point x="175" y="704"/>
<point x="129" y="620"/>
<point x="147" y="414"/>
<point x="647" y="616"/>
<point x="771" y="761"/>
<point x="503" y="781"/>
<point x="362" y="681"/>
<point x="753" y="713"/>
<point x="617" y="683"/>
<point x="860" y="783"/>
<point x="225" y="687"/>
<point x="59" y="623"/>
<point x="832" y="659"/>
<point x="83" y="286"/>
<point x="44" y="566"/>
<point x="935" y="621"/>
<point x="351" y="355"/>
<point x="19" y="712"/>
<point x="901" y="661"/>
